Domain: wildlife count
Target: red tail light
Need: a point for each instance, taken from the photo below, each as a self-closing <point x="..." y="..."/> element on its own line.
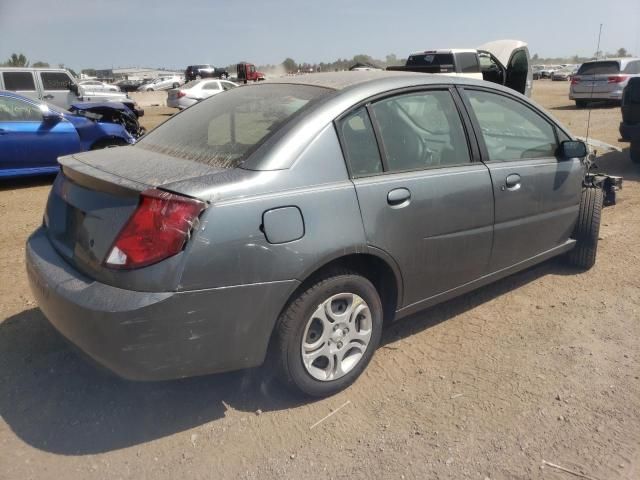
<point x="180" y="94"/>
<point x="158" y="229"/>
<point x="575" y="80"/>
<point x="617" y="79"/>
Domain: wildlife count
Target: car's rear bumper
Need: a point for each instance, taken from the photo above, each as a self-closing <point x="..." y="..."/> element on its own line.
<point x="596" y="96"/>
<point x="630" y="132"/>
<point x="155" y="336"/>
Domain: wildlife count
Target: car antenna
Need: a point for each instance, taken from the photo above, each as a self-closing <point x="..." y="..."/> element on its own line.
<point x="593" y="87"/>
<point x="591" y="157"/>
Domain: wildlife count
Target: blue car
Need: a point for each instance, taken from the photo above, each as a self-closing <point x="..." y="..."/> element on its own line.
<point x="34" y="134"/>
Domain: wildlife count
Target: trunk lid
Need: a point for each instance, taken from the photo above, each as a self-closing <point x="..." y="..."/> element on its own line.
<point x="93" y="198"/>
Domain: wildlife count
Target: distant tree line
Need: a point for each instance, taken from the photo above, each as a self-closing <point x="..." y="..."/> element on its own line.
<point x="620" y="53"/>
<point x="20" y="60"/>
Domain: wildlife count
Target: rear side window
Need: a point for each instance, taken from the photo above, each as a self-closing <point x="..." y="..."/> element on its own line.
<point x="19" y="81"/>
<point x="632" y="67"/>
<point x="468" y="62"/>
<point x="511" y="130"/>
<point x="599" y="68"/>
<point x="55" y="81"/>
<point x="421" y="130"/>
<point x="225" y="129"/>
<point x="211" y="86"/>
<point x="15" y="110"/>
<point x="360" y="145"/>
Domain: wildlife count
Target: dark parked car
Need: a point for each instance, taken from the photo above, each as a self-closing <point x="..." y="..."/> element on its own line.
<point x="194" y="72"/>
<point x="630" y="125"/>
<point x="34" y="134"/>
<point x="296" y="217"/>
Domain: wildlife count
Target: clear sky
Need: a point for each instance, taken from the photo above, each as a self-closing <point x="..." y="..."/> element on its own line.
<point x="119" y="33"/>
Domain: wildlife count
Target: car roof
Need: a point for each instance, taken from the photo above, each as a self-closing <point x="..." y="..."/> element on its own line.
<point x="32" y="69"/>
<point x="8" y="93"/>
<point x="444" y="50"/>
<point x="382" y="79"/>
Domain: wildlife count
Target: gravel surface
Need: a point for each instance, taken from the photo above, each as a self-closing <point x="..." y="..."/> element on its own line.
<point x="541" y="366"/>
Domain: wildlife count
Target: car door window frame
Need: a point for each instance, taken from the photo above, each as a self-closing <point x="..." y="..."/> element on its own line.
<point x="557" y="130"/>
<point x="467" y="128"/>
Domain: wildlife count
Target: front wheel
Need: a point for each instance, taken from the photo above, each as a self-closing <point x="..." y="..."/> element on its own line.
<point x="327" y="335"/>
<point x="587" y="229"/>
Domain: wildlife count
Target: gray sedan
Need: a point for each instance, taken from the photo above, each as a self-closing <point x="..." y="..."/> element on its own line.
<point x="290" y="220"/>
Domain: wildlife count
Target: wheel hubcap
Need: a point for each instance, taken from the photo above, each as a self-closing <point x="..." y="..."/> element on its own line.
<point x="336" y="336"/>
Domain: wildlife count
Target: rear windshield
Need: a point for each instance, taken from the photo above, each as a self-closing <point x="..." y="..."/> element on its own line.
<point x="430" y="59"/>
<point x="225" y="129"/>
<point x="599" y="68"/>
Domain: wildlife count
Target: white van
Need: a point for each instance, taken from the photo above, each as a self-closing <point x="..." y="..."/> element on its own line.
<point x="56" y="86"/>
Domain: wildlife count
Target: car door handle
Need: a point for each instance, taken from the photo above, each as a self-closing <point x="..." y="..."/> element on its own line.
<point x="512" y="183"/>
<point x="399" y="197"/>
<point x="48" y="97"/>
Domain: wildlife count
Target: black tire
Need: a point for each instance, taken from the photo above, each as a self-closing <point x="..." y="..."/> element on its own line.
<point x="108" y="143"/>
<point x="634" y="152"/>
<point x="587" y="229"/>
<point x="292" y="324"/>
<point x="175" y="85"/>
<point x="581" y="103"/>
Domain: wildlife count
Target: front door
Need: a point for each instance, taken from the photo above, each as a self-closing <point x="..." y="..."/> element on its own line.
<point x="27" y="141"/>
<point x="423" y="199"/>
<point x="55" y="89"/>
<point x="536" y="194"/>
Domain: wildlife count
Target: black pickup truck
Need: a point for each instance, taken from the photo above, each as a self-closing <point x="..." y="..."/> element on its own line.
<point x="193" y="72"/>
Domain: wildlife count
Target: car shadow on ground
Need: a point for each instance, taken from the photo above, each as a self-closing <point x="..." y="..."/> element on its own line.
<point x="56" y="401"/>
<point x="600" y="105"/>
<point x="619" y="164"/>
<point x="27" y="182"/>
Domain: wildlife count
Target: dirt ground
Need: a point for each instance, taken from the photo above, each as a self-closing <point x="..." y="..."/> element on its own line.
<point x="541" y="366"/>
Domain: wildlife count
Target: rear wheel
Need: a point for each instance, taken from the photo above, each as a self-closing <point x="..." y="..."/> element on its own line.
<point x="587" y="230"/>
<point x="175" y="85"/>
<point x="327" y="335"/>
<point x="581" y="103"/>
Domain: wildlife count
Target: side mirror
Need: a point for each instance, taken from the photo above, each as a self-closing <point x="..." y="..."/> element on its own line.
<point x="73" y="87"/>
<point x="50" y="116"/>
<point x="573" y="149"/>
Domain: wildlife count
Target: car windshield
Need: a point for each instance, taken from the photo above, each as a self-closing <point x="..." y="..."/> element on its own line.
<point x="599" y="68"/>
<point x="224" y="130"/>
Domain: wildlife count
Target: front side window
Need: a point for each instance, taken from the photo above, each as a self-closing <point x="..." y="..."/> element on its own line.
<point x="421" y="130"/>
<point x="223" y="131"/>
<point x="360" y="145"/>
<point x="511" y="130"/>
<point x="15" y="110"/>
<point x="55" y="81"/>
<point x="19" y="81"/>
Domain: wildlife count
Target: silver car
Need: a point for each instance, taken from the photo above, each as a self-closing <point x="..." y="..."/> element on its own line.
<point x="290" y="220"/>
<point x="602" y="80"/>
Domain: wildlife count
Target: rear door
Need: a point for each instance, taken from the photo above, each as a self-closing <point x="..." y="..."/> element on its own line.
<point x="55" y="88"/>
<point x="536" y="194"/>
<point x="20" y="82"/>
<point x="423" y="198"/>
<point x="26" y="141"/>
